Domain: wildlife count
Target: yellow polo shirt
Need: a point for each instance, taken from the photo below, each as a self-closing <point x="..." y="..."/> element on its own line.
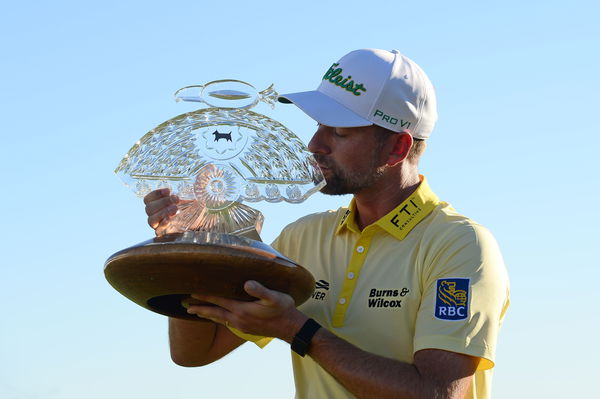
<point x="423" y="276"/>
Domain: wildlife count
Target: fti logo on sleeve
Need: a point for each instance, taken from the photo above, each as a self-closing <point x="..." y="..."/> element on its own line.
<point x="452" y="299"/>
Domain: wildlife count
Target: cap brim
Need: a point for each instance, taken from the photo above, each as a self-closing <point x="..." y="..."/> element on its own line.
<point x="323" y="109"/>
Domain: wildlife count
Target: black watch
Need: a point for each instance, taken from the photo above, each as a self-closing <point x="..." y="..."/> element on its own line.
<point x="302" y="339"/>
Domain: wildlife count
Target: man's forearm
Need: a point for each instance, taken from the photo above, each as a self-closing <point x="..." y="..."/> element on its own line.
<point x="197" y="343"/>
<point x="190" y="341"/>
<point x="367" y="375"/>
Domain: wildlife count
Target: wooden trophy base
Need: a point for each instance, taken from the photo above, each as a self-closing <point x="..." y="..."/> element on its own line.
<point x="159" y="274"/>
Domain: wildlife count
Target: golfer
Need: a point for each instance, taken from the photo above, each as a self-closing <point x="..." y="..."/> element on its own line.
<point x="410" y="294"/>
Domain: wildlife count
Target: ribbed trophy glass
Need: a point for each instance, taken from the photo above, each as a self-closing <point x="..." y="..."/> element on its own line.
<point x="216" y="160"/>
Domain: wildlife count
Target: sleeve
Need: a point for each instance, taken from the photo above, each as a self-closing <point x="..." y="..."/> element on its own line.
<point x="286" y="242"/>
<point x="278" y="243"/>
<point x="261" y="342"/>
<point x="465" y="295"/>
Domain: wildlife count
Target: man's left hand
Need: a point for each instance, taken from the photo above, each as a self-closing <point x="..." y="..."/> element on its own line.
<point x="273" y="314"/>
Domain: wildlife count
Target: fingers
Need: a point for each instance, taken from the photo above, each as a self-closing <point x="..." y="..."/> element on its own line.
<point x="224" y="303"/>
<point x="214" y="313"/>
<point x="253" y="288"/>
<point x="156" y="194"/>
<point x="162" y="225"/>
<point x="160" y="216"/>
<point x="257" y="290"/>
<point x="160" y="205"/>
<point x="206" y="307"/>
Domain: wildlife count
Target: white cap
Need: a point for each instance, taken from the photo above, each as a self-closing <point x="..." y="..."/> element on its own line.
<point x="372" y="86"/>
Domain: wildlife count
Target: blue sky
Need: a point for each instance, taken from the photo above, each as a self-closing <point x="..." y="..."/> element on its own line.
<point x="80" y="82"/>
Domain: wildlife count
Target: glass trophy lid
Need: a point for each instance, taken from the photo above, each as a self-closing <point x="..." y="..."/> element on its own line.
<point x="220" y="158"/>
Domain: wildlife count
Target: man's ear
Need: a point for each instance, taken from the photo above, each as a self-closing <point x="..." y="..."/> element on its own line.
<point x="402" y="143"/>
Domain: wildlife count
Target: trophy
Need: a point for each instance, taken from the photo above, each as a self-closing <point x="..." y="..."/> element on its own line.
<point x="215" y="160"/>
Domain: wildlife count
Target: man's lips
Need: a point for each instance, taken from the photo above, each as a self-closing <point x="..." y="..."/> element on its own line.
<point x="322" y="163"/>
<point x="324" y="169"/>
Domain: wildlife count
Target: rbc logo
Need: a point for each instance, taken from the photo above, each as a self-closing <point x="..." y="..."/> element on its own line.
<point x="452" y="300"/>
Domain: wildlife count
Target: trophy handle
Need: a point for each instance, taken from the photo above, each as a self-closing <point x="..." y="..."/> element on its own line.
<point x="190" y="93"/>
<point x="269" y="96"/>
<point x="227" y="93"/>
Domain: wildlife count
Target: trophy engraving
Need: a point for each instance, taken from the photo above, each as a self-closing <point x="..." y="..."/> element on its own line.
<point x="215" y="160"/>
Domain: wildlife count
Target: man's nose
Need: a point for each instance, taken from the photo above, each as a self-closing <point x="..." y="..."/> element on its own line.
<point x="318" y="144"/>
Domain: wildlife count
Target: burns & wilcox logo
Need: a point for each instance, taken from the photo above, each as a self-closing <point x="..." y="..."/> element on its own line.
<point x="452" y="299"/>
<point x="386" y="298"/>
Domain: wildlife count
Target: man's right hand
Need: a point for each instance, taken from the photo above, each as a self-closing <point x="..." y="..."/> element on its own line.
<point x="161" y="206"/>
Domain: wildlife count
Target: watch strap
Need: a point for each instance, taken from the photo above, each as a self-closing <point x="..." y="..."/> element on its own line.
<point x="302" y="339"/>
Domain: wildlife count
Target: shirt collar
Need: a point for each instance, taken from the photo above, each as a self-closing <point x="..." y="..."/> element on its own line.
<point x="402" y="219"/>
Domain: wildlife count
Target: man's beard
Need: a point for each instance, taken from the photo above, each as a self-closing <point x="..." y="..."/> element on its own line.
<point x="340" y="182"/>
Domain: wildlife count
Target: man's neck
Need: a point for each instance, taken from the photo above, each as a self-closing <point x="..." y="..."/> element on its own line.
<point x="385" y="195"/>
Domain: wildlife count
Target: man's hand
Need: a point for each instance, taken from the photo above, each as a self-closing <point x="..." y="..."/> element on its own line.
<point x="161" y="206"/>
<point x="273" y="314"/>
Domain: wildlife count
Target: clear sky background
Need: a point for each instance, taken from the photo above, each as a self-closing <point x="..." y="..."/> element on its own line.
<point x="515" y="149"/>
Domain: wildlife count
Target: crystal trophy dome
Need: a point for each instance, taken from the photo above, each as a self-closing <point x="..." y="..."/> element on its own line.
<point x="216" y="160"/>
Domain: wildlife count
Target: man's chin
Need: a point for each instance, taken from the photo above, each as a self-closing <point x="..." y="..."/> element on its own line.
<point x="332" y="190"/>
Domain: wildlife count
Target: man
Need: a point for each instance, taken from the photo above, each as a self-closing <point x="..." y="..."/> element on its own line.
<point x="410" y="295"/>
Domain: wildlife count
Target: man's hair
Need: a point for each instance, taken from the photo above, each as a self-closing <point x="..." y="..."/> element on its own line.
<point x="415" y="152"/>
